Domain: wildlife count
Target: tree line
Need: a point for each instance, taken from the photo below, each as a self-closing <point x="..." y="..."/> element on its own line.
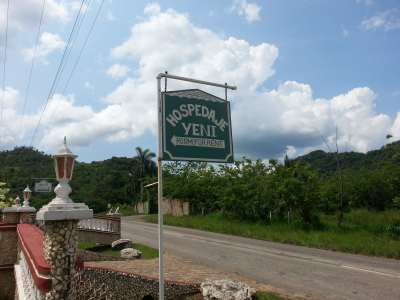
<point x="298" y="189"/>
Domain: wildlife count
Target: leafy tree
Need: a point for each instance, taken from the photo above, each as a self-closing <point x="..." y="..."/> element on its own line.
<point x="5" y="200"/>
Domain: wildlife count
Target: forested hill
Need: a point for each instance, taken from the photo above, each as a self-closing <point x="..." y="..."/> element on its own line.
<point x="325" y="162"/>
<point x="102" y="182"/>
<point x="95" y="183"/>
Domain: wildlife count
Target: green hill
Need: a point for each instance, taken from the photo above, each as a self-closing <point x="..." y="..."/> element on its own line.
<point x="325" y="163"/>
<point x="102" y="182"/>
<point x="96" y="183"/>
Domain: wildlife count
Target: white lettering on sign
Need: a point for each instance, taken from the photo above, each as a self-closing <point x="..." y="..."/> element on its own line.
<point x="197" y="110"/>
<point x="193" y="129"/>
<point x="197" y="142"/>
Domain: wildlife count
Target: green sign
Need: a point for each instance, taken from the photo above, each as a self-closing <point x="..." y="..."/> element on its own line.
<point x="196" y="126"/>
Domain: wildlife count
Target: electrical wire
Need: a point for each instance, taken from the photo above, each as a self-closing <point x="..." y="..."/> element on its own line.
<point x="74" y="38"/>
<point x="83" y="46"/>
<point x="28" y="85"/>
<point x="4" y="65"/>
<point x="80" y="52"/>
<point x="57" y="75"/>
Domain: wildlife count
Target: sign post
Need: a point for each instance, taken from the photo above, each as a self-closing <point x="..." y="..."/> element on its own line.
<point x="193" y="126"/>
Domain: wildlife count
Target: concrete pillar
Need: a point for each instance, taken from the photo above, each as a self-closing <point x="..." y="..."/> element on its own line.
<point x="11" y="215"/>
<point x="60" y="218"/>
<point x="60" y="243"/>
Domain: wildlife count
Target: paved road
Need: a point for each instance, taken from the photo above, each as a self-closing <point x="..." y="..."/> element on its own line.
<point x="298" y="270"/>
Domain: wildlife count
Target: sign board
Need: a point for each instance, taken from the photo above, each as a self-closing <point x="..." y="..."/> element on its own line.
<point x="43" y="186"/>
<point x="196" y="127"/>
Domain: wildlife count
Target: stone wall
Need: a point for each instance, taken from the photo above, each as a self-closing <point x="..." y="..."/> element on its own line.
<point x="8" y="244"/>
<point x="60" y="240"/>
<point x="7" y="282"/>
<point x="97" y="236"/>
<point x="84" y="255"/>
<point x="98" y="284"/>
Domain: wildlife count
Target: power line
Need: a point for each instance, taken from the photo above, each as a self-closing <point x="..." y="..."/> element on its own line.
<point x="83" y="46"/>
<point x="28" y="85"/>
<point x="4" y="64"/>
<point x="56" y="77"/>
<point x="75" y="37"/>
<point x="80" y="52"/>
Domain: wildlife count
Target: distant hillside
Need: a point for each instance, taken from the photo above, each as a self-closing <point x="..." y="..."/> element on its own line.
<point x="102" y="182"/>
<point x="96" y="183"/>
<point x="325" y="162"/>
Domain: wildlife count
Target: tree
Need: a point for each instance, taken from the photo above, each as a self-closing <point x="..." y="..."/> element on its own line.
<point x="142" y="167"/>
<point x="5" y="201"/>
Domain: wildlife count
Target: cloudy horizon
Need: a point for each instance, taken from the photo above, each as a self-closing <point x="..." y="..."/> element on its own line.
<point x="288" y="100"/>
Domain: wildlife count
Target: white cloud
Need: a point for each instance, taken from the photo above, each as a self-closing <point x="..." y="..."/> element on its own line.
<point x="48" y="43"/>
<point x="25" y="15"/>
<point x="251" y="11"/>
<point x="395" y="130"/>
<point x="386" y="20"/>
<point x="117" y="71"/>
<point x="152" y="9"/>
<point x="265" y="122"/>
<point x="345" y="33"/>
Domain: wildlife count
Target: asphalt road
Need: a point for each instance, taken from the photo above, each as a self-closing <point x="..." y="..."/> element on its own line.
<point x="300" y="271"/>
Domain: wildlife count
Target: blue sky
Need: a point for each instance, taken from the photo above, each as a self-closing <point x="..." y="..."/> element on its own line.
<point x="302" y="67"/>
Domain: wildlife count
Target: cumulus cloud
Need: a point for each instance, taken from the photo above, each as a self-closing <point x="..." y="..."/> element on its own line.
<point x="13" y="125"/>
<point x="117" y="71"/>
<point x="395" y="130"/>
<point x="266" y="123"/>
<point x="386" y="20"/>
<point x="251" y="11"/>
<point x="48" y="43"/>
<point x="25" y="15"/>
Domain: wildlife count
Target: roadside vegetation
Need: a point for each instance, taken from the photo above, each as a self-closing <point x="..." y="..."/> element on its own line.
<point x="341" y="201"/>
<point x="362" y="232"/>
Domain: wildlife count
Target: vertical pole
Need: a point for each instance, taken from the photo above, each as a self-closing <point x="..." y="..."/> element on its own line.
<point x="160" y="196"/>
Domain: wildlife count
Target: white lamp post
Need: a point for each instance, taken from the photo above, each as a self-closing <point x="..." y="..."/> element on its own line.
<point x="27" y="195"/>
<point x="62" y="207"/>
<point x="17" y="201"/>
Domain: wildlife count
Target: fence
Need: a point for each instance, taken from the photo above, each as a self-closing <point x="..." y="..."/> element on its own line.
<point x="102" y="229"/>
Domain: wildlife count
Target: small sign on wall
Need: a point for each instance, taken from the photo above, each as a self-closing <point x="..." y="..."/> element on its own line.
<point x="43" y="186"/>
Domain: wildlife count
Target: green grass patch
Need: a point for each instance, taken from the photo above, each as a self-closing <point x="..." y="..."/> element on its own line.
<point x="267" y="296"/>
<point x="363" y="232"/>
<point x="147" y="252"/>
<point x="127" y="210"/>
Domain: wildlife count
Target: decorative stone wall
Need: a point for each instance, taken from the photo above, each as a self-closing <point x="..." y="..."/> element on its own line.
<point x="10" y="217"/>
<point x="105" y="238"/>
<point x="59" y="250"/>
<point x="85" y="255"/>
<point x="104" y="284"/>
<point x="8" y="257"/>
<point x="7" y="282"/>
<point x="27" y="218"/>
<point x="8" y="244"/>
<point x="26" y="287"/>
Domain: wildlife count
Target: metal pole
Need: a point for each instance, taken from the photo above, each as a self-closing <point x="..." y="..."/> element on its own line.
<point x="160" y="195"/>
<point x="231" y="87"/>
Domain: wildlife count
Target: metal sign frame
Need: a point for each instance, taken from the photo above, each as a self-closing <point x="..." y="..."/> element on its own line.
<point x="160" y="159"/>
<point x="227" y="159"/>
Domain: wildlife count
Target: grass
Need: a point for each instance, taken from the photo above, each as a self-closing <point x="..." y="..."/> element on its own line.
<point x="267" y="296"/>
<point x="147" y="252"/>
<point x="126" y="210"/>
<point x="363" y="232"/>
